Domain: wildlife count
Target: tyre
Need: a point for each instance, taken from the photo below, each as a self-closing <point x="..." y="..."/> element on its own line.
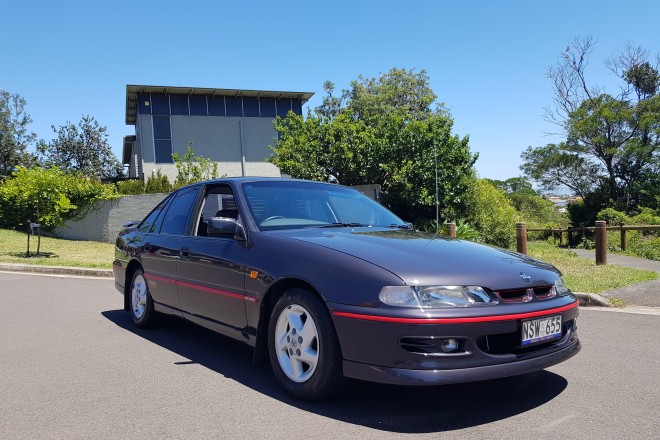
<point x="140" y="302"/>
<point x="303" y="347"/>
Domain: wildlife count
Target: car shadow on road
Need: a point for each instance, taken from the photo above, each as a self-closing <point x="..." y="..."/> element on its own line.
<point x="383" y="407"/>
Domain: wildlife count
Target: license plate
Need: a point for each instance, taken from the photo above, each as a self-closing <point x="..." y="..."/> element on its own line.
<point x="541" y="329"/>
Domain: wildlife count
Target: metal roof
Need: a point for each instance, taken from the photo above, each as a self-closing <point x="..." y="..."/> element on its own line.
<point x="132" y="92"/>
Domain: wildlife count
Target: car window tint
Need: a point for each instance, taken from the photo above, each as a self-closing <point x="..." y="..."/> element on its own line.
<point x="150" y="221"/>
<point x="176" y="217"/>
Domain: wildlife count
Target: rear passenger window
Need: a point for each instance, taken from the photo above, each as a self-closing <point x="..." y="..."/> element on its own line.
<point x="149" y="223"/>
<point x="176" y="217"/>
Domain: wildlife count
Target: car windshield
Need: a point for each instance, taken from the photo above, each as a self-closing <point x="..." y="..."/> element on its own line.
<point x="297" y="204"/>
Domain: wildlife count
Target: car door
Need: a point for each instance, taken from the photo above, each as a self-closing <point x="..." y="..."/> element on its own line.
<point x="162" y="247"/>
<point x="211" y="270"/>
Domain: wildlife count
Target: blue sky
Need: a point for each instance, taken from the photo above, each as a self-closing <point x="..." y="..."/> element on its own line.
<point x="486" y="59"/>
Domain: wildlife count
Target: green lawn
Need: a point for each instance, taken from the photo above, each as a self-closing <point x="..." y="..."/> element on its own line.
<point x="55" y="252"/>
<point x="582" y="274"/>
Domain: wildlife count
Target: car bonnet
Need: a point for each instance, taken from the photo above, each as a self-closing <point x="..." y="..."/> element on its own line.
<point x="422" y="259"/>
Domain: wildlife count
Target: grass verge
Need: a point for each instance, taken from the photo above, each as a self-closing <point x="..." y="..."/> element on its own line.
<point x="582" y="274"/>
<point x="55" y="251"/>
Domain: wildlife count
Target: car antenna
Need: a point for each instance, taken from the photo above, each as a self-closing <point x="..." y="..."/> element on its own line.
<point x="437" y="204"/>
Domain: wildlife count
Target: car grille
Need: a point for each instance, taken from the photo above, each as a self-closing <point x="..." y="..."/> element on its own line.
<point x="524" y="295"/>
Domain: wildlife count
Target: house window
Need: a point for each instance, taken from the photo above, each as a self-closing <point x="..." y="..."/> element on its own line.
<point x="162" y="139"/>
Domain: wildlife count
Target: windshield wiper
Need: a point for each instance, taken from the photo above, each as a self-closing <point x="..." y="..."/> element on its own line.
<point x="403" y="226"/>
<point x="342" y="225"/>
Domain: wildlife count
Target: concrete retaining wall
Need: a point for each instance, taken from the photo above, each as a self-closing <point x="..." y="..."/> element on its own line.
<point x="105" y="222"/>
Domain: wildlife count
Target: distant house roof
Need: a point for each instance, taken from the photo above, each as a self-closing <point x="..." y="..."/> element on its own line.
<point x="132" y="92"/>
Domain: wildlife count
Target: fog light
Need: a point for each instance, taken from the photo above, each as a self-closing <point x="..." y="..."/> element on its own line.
<point x="448" y="345"/>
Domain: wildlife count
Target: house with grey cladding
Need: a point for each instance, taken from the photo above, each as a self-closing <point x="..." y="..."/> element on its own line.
<point x="229" y="126"/>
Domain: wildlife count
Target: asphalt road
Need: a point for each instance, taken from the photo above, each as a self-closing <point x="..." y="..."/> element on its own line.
<point x="73" y="366"/>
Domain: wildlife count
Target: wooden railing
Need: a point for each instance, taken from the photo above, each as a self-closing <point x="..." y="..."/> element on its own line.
<point x="600" y="232"/>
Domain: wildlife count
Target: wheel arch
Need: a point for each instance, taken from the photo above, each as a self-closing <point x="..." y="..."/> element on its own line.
<point x="130" y="270"/>
<point x="267" y="303"/>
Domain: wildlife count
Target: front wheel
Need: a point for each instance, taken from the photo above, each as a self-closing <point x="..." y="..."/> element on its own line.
<point x="303" y="347"/>
<point x="141" y="304"/>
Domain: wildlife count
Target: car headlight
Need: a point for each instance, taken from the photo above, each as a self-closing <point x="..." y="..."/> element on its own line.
<point x="561" y="288"/>
<point x="436" y="296"/>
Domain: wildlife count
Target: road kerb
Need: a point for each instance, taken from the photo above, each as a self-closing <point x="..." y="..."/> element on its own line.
<point x="56" y="270"/>
<point x="592" y="299"/>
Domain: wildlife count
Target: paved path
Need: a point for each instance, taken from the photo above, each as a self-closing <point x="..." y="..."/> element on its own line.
<point x="646" y="293"/>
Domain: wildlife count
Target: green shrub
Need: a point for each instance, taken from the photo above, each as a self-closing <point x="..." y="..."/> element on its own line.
<point x="130" y="187"/>
<point x="465" y="231"/>
<point x="157" y="183"/>
<point x="491" y="213"/>
<point x="193" y="168"/>
<point x="647" y="216"/>
<point x="640" y="244"/>
<point x="48" y="196"/>
<point x="613" y="217"/>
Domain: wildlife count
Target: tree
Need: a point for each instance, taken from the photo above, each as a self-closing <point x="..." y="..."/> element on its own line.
<point x="48" y="197"/>
<point x="381" y="131"/>
<point x="191" y="168"/>
<point x="491" y="213"/>
<point x="82" y="148"/>
<point x="533" y="209"/>
<point x="611" y="146"/>
<point x="14" y="135"/>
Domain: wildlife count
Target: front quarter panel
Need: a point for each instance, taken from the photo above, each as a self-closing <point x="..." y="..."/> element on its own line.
<point x="337" y="277"/>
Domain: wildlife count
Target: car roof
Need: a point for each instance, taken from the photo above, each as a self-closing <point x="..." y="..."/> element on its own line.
<point x="244" y="179"/>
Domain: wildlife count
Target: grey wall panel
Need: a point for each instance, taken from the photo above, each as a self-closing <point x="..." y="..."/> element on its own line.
<point x="105" y="222"/>
<point x="259" y="134"/>
<point x="215" y="137"/>
<point x="146" y="136"/>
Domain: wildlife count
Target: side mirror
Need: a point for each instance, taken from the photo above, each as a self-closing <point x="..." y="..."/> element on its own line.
<point x="225" y="227"/>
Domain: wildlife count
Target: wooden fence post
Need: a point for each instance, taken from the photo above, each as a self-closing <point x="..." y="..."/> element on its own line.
<point x="623" y="237"/>
<point x="451" y="230"/>
<point x="601" y="242"/>
<point x="570" y="237"/>
<point x="521" y="238"/>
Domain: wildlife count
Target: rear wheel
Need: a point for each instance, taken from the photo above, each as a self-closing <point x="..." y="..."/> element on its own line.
<point x="303" y="347"/>
<point x="141" y="304"/>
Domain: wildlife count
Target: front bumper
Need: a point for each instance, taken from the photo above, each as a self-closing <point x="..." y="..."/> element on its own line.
<point x="407" y="353"/>
<point x="399" y="376"/>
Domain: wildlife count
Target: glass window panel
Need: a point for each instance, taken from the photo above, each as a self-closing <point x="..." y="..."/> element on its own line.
<point x="267" y="107"/>
<point x="175" y="221"/>
<point x="179" y="104"/>
<point x="162" y="127"/>
<point x="198" y="105"/>
<point x="283" y="107"/>
<point x="296" y="106"/>
<point x="250" y="106"/>
<point x="234" y="106"/>
<point x="216" y="105"/>
<point x="160" y="104"/>
<point x="144" y="103"/>
<point x="163" y="151"/>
